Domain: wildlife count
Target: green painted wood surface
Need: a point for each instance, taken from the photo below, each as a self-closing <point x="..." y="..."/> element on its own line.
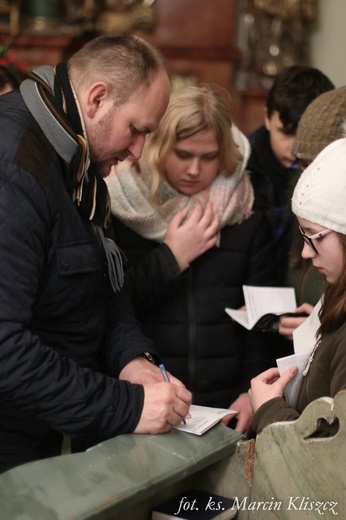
<point x="112" y="478"/>
<point x="125" y="477"/>
<point x="297" y="475"/>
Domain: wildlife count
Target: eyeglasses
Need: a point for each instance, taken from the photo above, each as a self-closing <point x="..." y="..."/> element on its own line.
<point x="309" y="240"/>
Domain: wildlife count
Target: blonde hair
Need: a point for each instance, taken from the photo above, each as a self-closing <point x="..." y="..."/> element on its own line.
<point x="192" y="110"/>
<point x="126" y="62"/>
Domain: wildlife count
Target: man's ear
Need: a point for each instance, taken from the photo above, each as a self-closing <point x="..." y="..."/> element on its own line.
<point x="97" y="95"/>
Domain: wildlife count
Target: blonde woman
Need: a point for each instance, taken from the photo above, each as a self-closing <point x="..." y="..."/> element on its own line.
<point x="183" y="216"/>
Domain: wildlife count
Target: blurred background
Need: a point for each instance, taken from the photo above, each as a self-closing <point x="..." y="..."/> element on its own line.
<point x="239" y="44"/>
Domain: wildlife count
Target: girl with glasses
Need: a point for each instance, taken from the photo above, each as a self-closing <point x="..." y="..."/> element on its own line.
<point x="319" y="204"/>
<point x="321" y="124"/>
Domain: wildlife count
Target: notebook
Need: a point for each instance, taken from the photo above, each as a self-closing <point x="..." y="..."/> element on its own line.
<point x="263" y="306"/>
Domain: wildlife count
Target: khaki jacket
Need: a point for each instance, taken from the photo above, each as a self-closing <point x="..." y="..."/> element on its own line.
<point x="325" y="378"/>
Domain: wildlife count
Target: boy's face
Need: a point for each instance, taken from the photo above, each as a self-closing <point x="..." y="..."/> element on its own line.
<point x="280" y="141"/>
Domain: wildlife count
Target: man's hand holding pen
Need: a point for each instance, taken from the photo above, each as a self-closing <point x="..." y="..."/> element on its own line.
<point x="165" y="405"/>
<point x="167" y="379"/>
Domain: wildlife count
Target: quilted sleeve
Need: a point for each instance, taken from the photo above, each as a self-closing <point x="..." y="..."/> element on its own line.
<point x="34" y="378"/>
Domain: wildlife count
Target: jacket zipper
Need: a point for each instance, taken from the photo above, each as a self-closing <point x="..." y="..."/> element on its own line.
<point x="191" y="311"/>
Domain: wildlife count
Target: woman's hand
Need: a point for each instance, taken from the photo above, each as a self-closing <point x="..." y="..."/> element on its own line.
<point x="244" y="416"/>
<point x="288" y="324"/>
<point x="192" y="237"/>
<point x="269" y="384"/>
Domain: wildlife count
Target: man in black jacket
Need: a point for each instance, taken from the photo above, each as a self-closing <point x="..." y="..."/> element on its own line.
<point x="72" y="358"/>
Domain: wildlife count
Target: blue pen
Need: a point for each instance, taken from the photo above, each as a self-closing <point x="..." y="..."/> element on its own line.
<point x="166" y="378"/>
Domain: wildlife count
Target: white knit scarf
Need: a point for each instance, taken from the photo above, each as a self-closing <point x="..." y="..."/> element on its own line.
<point x="231" y="197"/>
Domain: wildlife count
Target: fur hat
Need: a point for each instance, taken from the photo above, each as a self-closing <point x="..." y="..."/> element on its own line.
<point x="320" y="193"/>
<point x="322" y="123"/>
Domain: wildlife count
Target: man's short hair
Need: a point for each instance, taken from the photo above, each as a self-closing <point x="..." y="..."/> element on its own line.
<point x="126" y="62"/>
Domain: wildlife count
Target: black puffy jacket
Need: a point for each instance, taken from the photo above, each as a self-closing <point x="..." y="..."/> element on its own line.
<point x="58" y="319"/>
<point x="184" y="313"/>
<point x="273" y="185"/>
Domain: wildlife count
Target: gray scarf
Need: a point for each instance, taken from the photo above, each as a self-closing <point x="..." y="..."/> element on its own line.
<point x="49" y="96"/>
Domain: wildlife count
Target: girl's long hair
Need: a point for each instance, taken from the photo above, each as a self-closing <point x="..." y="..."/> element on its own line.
<point x="191" y="110"/>
<point x="333" y="310"/>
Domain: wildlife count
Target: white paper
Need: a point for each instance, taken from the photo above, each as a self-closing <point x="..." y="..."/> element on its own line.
<point x="292" y="388"/>
<point x="304" y="337"/>
<point x="203" y="418"/>
<point x="239" y="316"/>
<point x="304" y="341"/>
<point x="263" y="300"/>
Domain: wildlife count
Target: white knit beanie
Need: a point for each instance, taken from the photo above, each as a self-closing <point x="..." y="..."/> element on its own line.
<point x="320" y="193"/>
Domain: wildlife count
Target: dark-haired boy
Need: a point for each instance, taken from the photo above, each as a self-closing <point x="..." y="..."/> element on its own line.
<point x="271" y="163"/>
<point x="273" y="168"/>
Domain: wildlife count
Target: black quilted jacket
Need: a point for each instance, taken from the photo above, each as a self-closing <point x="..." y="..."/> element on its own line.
<point x="57" y="318"/>
<point x="183" y="313"/>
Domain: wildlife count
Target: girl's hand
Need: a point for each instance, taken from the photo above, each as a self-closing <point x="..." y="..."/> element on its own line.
<point x="190" y="238"/>
<point x="269" y="384"/>
<point x="244" y="416"/>
<point x="288" y="324"/>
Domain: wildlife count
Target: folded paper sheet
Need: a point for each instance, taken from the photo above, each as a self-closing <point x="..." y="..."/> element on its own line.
<point x="203" y="418"/>
<point x="304" y="341"/>
<point x="260" y="301"/>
